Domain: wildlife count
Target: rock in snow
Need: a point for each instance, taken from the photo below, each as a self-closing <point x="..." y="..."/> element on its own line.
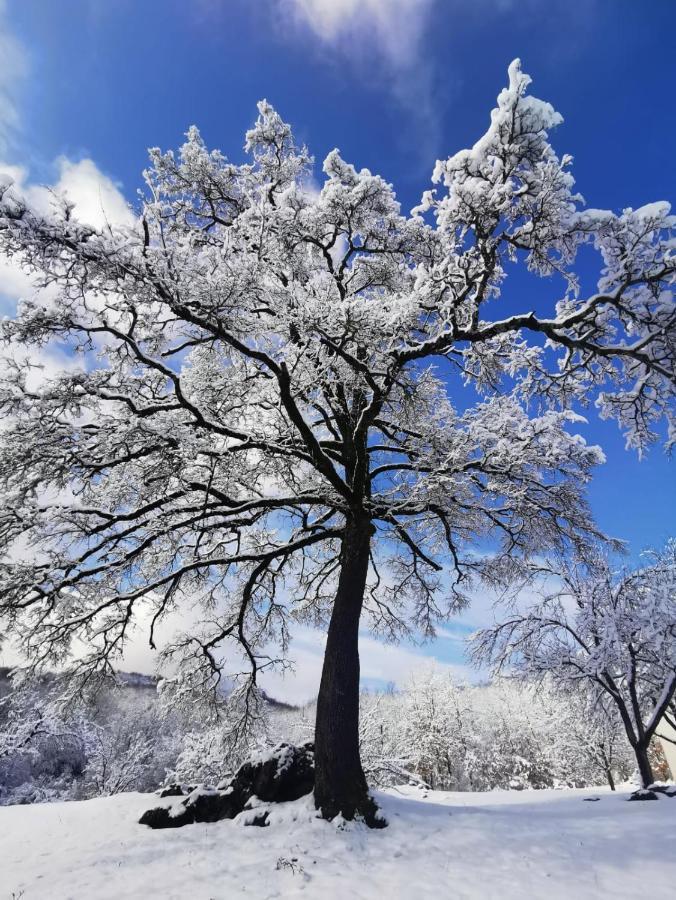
<point x="283" y="774"/>
<point x="643" y="794"/>
<point x="173" y="790"/>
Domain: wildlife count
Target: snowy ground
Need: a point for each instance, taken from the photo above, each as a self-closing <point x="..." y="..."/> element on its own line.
<point x="536" y="844"/>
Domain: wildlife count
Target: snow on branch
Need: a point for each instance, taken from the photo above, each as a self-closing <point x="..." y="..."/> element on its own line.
<point x="262" y="364"/>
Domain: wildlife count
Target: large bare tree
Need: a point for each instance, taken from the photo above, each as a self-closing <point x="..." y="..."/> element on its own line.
<point x="262" y="427"/>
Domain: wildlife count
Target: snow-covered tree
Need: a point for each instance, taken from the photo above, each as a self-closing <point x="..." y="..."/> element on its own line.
<point x="261" y="427"/>
<point x="434" y="729"/>
<point x="123" y="741"/>
<point x="24" y="719"/>
<point x="382" y="751"/>
<point x="585" y="737"/>
<point x="41" y="753"/>
<point x="612" y="635"/>
<point x="119" y="756"/>
<point x="512" y="744"/>
<point x="507" y="734"/>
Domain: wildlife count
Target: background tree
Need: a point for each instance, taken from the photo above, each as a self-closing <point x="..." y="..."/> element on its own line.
<point x="262" y="428"/>
<point x="589" y="736"/>
<point x="667" y="726"/>
<point x="38" y="748"/>
<point x="433" y="733"/>
<point x="616" y="636"/>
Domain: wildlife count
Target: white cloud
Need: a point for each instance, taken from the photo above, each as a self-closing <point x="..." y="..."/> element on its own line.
<point x="97" y="197"/>
<point x="380" y="664"/>
<point x="98" y="201"/>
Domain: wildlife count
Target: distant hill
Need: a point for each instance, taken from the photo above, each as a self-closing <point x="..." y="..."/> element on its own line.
<point x="136" y="681"/>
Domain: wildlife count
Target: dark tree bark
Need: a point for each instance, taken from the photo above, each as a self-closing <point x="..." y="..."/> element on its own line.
<point x="340" y="784"/>
<point x="644" y="767"/>
<point x="637" y="736"/>
<point x="611" y="780"/>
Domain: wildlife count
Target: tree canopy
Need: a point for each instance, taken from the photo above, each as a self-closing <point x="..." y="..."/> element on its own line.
<point x="265" y="400"/>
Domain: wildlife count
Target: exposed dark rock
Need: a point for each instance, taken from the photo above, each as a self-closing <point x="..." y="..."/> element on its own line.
<point x="286" y="773"/>
<point x="160" y="818"/>
<point x="172" y="790"/>
<point x="669" y="790"/>
<point x="643" y="794"/>
<point x="260" y="819"/>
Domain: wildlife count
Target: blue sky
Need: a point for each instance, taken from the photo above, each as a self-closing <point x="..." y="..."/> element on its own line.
<point x="393" y="83"/>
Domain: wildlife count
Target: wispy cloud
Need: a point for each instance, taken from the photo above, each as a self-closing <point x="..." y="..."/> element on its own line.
<point x="383" y="40"/>
<point x="13" y="69"/>
<point x="392" y="28"/>
<point x="381" y="664"/>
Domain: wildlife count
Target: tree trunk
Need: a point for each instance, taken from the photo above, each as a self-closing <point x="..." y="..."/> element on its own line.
<point x="340" y="785"/>
<point x="644" y="767"/>
<point x="611" y="780"/>
<point x="637" y="739"/>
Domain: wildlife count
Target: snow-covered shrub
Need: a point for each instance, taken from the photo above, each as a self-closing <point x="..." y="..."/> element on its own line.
<point x="48" y="751"/>
<point x="203" y="758"/>
<point x="119" y="756"/>
<point x="216" y="739"/>
<point x="41" y="754"/>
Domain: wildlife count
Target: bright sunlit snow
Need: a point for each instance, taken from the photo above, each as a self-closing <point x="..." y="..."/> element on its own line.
<point x="507" y="845"/>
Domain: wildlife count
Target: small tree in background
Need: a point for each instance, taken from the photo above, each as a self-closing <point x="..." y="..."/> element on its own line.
<point x="588" y="736"/>
<point x="613" y="635"/>
<point x="261" y="429"/>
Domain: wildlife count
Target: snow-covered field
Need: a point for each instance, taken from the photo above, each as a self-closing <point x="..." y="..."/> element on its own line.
<point x="535" y="844"/>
